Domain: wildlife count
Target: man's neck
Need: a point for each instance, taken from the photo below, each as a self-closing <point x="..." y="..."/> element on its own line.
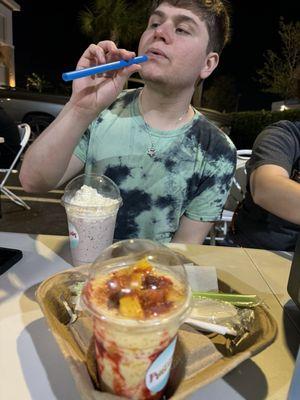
<point x="165" y="110"/>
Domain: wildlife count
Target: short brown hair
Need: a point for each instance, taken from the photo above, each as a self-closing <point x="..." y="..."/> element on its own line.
<point x="214" y="13"/>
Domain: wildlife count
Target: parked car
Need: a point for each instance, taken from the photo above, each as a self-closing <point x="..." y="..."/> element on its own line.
<point x="37" y="110"/>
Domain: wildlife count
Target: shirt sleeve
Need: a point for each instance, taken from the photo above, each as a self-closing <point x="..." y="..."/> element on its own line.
<point x="278" y="144"/>
<point x="214" y="183"/>
<point x="81" y="149"/>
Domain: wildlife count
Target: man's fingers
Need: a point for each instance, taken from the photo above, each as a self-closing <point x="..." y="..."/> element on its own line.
<point x="125" y="54"/>
<point x="93" y="55"/>
<point x="104" y="52"/>
<point x="113" y="52"/>
<point x="125" y="73"/>
<point x="107" y="46"/>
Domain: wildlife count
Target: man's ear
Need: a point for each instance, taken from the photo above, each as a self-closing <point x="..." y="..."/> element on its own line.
<point x="211" y="62"/>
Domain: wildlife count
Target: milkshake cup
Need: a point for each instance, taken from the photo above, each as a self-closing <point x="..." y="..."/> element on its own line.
<point x="92" y="203"/>
<point x="138" y="296"/>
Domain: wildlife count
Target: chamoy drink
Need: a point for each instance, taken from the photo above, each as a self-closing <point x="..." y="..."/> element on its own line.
<point x="137" y="301"/>
<point x="91" y="204"/>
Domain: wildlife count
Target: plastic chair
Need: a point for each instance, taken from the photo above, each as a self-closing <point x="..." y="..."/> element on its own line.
<point x="239" y="183"/>
<point x="24" y="131"/>
<point x="236" y="195"/>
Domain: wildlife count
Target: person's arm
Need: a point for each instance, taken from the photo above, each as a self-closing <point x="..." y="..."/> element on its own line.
<point x="74" y="167"/>
<point x="190" y="231"/>
<point x="273" y="190"/>
<point x="48" y="158"/>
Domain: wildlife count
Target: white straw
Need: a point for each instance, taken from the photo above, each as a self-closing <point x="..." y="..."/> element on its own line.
<point x="207" y="326"/>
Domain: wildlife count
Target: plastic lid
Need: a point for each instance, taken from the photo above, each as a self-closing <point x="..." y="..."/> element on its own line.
<point x="137" y="281"/>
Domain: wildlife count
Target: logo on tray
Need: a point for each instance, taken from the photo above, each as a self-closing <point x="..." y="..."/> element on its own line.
<point x="74" y="237"/>
<point x="158" y="373"/>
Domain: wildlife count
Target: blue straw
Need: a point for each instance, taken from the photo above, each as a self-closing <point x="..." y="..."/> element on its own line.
<point x="99" y="69"/>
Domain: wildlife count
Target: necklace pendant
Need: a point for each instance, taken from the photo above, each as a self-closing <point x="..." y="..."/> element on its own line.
<point x="151" y="152"/>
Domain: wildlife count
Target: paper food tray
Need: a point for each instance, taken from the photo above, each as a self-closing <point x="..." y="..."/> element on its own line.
<point x="198" y="360"/>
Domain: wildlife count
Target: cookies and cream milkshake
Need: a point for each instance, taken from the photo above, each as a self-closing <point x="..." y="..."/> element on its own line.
<point x="91" y="219"/>
<point x="137" y="311"/>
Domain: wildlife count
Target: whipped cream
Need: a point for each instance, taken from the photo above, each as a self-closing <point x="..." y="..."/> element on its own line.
<point x="87" y="197"/>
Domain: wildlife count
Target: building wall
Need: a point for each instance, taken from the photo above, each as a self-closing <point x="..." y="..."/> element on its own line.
<point x="7" y="60"/>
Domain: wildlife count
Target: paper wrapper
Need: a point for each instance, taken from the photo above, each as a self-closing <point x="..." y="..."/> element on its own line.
<point x="198" y="360"/>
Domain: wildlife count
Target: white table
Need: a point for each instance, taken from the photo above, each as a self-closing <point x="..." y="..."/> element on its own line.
<point x="32" y="366"/>
<point x="277" y="282"/>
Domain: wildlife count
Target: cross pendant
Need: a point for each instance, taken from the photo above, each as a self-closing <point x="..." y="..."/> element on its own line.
<point x="151" y="152"/>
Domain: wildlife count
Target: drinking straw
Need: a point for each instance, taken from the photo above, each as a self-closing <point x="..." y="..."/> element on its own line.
<point x="208" y="326"/>
<point x="100" y="69"/>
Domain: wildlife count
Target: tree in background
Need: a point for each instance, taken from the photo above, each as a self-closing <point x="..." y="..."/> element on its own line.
<point x="37" y="83"/>
<point x="278" y="74"/>
<point x="120" y="21"/>
<point x="221" y="94"/>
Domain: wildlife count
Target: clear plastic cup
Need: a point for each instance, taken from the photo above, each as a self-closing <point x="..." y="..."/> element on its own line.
<point x="138" y="296"/>
<point x="91" y="213"/>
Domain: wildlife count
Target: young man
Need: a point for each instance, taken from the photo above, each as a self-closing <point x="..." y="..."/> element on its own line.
<point x="173" y="167"/>
<point x="269" y="216"/>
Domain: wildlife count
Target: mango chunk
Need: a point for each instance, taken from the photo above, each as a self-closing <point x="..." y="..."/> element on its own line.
<point x="143" y="264"/>
<point x="130" y="307"/>
<point x="136" y="280"/>
<point x="173" y="295"/>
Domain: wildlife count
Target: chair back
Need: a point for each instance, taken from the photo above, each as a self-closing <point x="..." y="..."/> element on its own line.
<point x="236" y="194"/>
<point x="238" y="188"/>
<point x="244" y="153"/>
<point x="25" y="132"/>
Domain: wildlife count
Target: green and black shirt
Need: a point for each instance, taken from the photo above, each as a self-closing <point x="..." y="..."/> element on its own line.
<point x="190" y="173"/>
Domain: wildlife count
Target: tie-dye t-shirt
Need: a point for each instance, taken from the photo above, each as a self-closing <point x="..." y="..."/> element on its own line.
<point x="190" y="173"/>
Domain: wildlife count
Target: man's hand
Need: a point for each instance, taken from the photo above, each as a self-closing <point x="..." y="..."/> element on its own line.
<point x="92" y="94"/>
<point x="190" y="231"/>
<point x="273" y="190"/>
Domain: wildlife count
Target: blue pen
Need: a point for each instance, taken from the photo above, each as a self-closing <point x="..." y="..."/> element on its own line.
<point x="99" y="69"/>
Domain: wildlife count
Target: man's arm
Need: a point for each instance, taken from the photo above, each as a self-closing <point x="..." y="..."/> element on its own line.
<point x="73" y="169"/>
<point x="190" y="231"/>
<point x="48" y="159"/>
<point x="273" y="190"/>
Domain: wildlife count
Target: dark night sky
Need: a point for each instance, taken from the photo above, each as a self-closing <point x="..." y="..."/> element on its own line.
<point x="48" y="41"/>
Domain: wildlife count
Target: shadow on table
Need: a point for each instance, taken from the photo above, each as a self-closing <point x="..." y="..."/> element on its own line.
<point x="24" y="274"/>
<point x="24" y="277"/>
<point x="62" y="249"/>
<point x="248" y="380"/>
<point x="38" y="350"/>
<point x="64" y="253"/>
<point x="30" y="293"/>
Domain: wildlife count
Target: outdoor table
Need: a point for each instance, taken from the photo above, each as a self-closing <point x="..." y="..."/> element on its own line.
<point x="32" y="366"/>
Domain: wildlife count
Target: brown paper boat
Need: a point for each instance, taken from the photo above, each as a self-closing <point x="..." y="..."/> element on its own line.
<point x="199" y="358"/>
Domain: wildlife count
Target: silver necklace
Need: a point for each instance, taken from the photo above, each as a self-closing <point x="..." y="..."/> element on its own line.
<point x="151" y="151"/>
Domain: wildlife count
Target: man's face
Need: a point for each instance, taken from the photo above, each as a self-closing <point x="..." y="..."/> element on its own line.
<point x="175" y="42"/>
